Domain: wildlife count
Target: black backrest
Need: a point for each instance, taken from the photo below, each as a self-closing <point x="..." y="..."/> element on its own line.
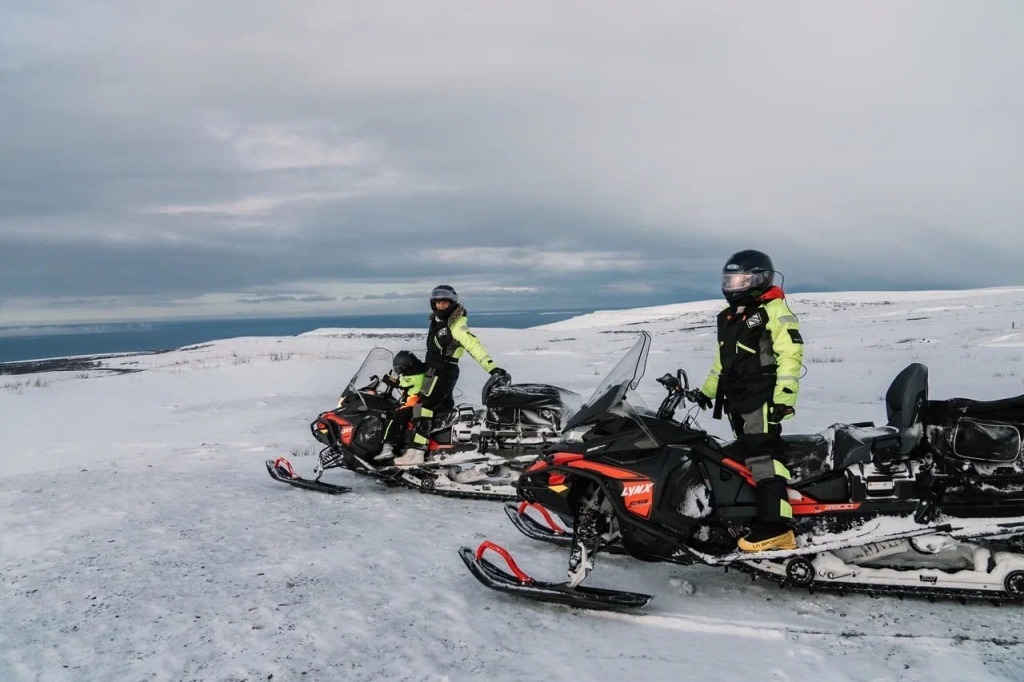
<point x="907" y="397"/>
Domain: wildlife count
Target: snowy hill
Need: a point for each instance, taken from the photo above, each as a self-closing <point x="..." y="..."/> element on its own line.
<point x="142" y="538"/>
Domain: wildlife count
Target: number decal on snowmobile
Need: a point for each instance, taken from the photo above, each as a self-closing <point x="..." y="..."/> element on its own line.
<point x="819" y="508"/>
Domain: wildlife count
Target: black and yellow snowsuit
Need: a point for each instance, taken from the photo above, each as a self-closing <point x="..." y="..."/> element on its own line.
<point x="755" y="372"/>
<point x="396" y="430"/>
<point x="448" y="339"/>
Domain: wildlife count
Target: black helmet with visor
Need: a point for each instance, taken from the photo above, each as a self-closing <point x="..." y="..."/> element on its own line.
<point x="443" y="292"/>
<point x="746" y="276"/>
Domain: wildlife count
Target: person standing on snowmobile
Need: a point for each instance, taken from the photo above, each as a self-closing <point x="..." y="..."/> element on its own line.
<point x="755" y="379"/>
<point x="448" y="339"/>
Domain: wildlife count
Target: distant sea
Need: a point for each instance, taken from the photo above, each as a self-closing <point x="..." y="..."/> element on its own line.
<point x="39" y="342"/>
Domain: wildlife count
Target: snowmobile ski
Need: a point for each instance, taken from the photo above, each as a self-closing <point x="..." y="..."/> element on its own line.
<point x="519" y="583"/>
<point x="280" y="469"/>
<point x="549" y="531"/>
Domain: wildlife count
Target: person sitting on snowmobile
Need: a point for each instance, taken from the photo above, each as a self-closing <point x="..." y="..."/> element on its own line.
<point x="448" y="339"/>
<point x="407" y="373"/>
<point x="755" y="378"/>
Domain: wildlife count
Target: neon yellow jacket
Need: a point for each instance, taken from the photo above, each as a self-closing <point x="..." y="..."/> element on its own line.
<point x="760" y="355"/>
<point x="448" y="340"/>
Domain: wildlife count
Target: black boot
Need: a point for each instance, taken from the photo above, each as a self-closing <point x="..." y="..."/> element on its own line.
<point x="772" y="530"/>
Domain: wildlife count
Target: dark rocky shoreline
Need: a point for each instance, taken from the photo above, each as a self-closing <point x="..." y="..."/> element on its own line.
<point x="80" y="363"/>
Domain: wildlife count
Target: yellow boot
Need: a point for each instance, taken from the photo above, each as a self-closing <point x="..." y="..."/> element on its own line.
<point x="766" y="536"/>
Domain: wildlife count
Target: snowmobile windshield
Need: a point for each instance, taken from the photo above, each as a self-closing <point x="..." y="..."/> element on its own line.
<point x="370" y="375"/>
<point x="610" y="397"/>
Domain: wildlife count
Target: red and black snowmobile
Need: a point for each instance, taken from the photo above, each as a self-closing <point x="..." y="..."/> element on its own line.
<point x="931" y="503"/>
<point x="472" y="453"/>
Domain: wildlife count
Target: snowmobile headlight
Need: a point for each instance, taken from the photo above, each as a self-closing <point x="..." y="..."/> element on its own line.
<point x="370" y="433"/>
<point x="321" y="432"/>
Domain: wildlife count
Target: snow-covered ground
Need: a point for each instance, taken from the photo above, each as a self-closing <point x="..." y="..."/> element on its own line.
<point x="143" y="540"/>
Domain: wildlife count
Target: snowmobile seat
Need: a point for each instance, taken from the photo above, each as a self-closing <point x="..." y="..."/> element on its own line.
<point x="530" y="405"/>
<point x="525" y="396"/>
<point x="906" y="403"/>
<point x="837" y="447"/>
<point x="806" y="455"/>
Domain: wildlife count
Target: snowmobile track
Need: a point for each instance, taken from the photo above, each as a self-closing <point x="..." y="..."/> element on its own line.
<point x="932" y="594"/>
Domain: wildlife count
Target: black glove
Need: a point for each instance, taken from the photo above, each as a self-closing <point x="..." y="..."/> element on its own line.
<point x="702" y="400"/>
<point x="499" y="377"/>
<point x="780" y="412"/>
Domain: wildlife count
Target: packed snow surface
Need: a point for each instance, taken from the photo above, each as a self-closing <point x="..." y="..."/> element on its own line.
<point x="143" y="540"/>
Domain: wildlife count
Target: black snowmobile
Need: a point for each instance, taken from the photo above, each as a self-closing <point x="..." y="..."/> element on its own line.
<point x="472" y="453"/>
<point x="931" y="503"/>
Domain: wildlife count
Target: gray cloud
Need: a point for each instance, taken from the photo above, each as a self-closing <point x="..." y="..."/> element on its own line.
<point x="576" y="154"/>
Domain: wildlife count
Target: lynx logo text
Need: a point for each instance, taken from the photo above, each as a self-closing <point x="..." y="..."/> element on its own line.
<point x="641" y="489"/>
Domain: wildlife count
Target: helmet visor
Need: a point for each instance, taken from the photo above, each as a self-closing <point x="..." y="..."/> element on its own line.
<point x="739" y="281"/>
<point x="444" y="294"/>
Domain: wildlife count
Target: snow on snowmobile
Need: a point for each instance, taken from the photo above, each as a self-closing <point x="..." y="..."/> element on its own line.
<point x="931" y="503"/>
<point x="473" y="453"/>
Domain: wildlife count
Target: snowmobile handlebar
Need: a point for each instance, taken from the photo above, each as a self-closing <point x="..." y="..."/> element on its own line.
<point x="678" y="388"/>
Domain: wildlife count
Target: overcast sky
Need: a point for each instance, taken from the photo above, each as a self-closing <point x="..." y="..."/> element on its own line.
<point x="257" y="157"/>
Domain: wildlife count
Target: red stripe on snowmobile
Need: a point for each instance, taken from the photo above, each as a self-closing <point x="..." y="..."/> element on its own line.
<point x="637" y="489"/>
<point x="504" y="554"/>
<point x="545" y="513"/>
<point x="610" y="471"/>
<point x="556" y="459"/>
<point x="812" y="507"/>
<point x="801" y="504"/>
<point x="739" y="469"/>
